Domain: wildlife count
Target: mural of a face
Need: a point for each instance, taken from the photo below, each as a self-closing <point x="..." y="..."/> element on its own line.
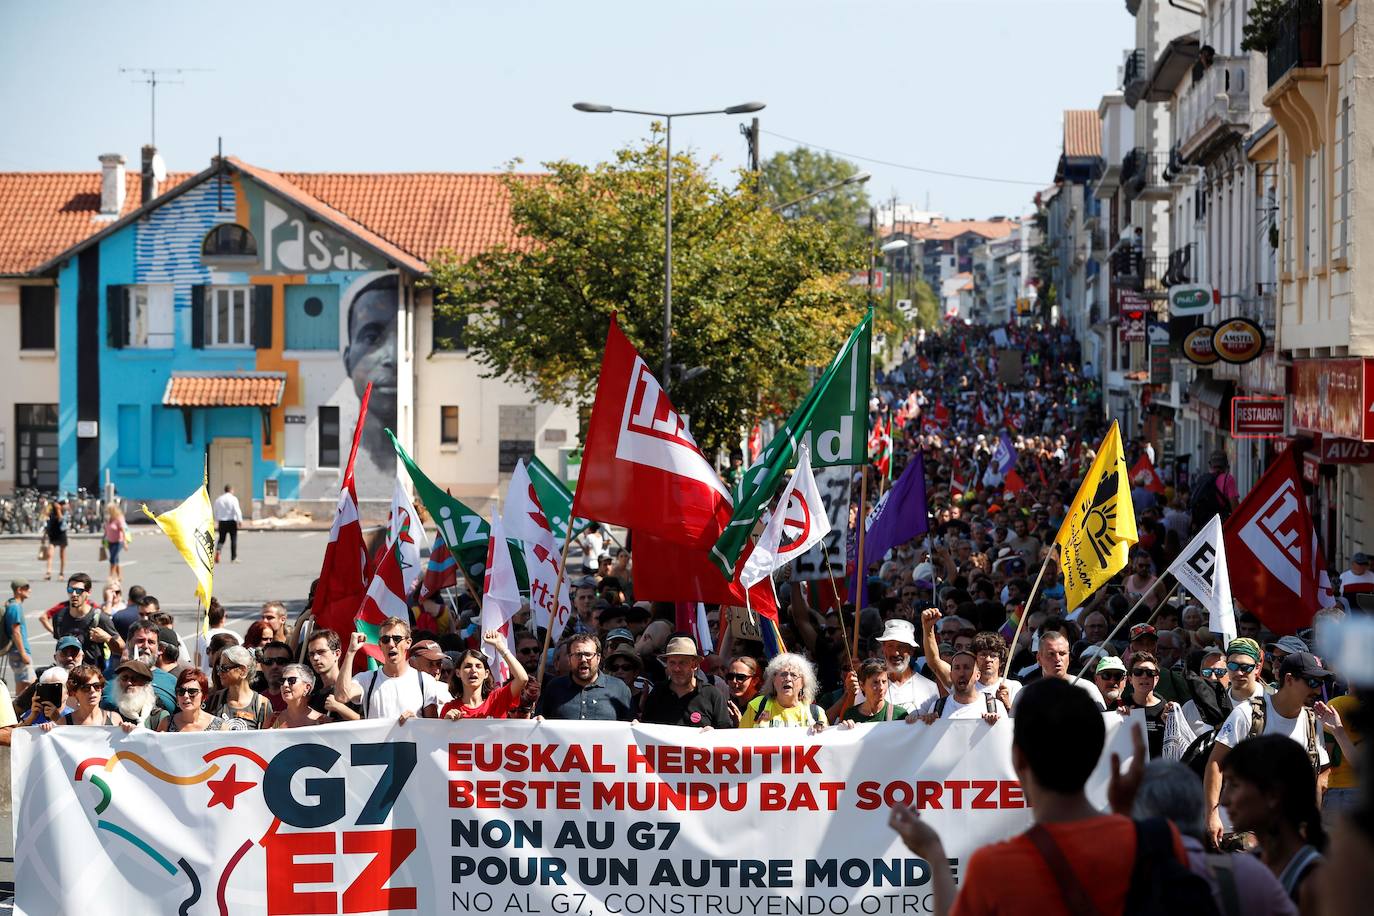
<point x="371" y="357"/>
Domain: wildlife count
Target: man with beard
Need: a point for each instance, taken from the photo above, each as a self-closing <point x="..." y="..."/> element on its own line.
<point x="586" y="692"/>
<point x="989" y="651"/>
<point x="681" y="700"/>
<point x="905" y="687"/>
<point x="143" y="647"/>
<point x="965" y="700"/>
<point x="395" y="690"/>
<point x="134" y="698"/>
<point x="1110" y="678"/>
<point x="1288" y="712"/>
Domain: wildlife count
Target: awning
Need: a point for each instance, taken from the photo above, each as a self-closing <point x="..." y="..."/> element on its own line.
<point x="189" y="390"/>
<point x="1210" y="399"/>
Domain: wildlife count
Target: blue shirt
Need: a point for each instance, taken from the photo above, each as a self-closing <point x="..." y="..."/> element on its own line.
<point x="606" y="699"/>
<point x="14" y="613"/>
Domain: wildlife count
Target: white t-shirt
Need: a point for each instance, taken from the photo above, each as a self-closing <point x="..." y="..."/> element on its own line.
<point x="912" y="693"/>
<point x="1013" y="687"/>
<point x="412" y="691"/>
<point x="1081" y="683"/>
<point x="956" y="710"/>
<point x="1236" y="728"/>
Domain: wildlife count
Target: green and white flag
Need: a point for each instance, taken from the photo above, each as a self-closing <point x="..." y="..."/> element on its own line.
<point x="831" y="420"/>
<point x="556" y="500"/>
<point x="465" y="532"/>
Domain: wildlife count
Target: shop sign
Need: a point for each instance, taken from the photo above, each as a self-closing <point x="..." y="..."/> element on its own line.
<point x="1257" y="418"/>
<point x="1238" y="340"/>
<point x="1135" y="311"/>
<point x="1311" y="467"/>
<point x="1190" y="299"/>
<point x="1198" y="348"/>
<point x="1346" y="451"/>
<point x="1333" y="397"/>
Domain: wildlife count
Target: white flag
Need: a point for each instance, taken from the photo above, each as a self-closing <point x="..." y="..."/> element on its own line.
<point x="408" y="553"/>
<point x="525" y="522"/>
<point x="797" y="524"/>
<point x="1201" y="570"/>
<point x="500" y="597"/>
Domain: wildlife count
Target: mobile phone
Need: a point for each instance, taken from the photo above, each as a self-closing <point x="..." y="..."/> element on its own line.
<point x="992" y="707"/>
<point x="49" y="693"/>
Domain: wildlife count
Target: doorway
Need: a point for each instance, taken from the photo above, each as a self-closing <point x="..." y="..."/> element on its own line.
<point x="231" y="462"/>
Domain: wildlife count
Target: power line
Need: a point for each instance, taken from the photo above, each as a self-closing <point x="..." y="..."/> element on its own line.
<point x="909" y="168"/>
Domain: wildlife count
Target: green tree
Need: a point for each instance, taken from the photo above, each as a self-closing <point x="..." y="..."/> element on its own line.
<point x="794" y="174"/>
<point x="756" y="298"/>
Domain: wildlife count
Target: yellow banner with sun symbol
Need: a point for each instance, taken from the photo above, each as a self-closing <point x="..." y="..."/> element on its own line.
<point x="1098" y="531"/>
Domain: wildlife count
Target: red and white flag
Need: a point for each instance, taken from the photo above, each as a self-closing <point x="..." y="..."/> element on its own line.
<point x="524" y="521"/>
<point x="404" y="517"/>
<point x="1144" y="474"/>
<point x="797" y="524"/>
<point x="1271" y="546"/>
<point x="500" y="597"/>
<point x="641" y="468"/>
<point x="343" y="574"/>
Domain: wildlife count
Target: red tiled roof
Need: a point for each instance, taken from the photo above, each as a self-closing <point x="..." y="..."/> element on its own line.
<point x="238" y="389"/>
<point x="42" y="214"/>
<point x="1082" y="134"/>
<point x="941" y="230"/>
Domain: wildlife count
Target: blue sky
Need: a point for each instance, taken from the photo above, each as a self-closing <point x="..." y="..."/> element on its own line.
<point x="969" y="86"/>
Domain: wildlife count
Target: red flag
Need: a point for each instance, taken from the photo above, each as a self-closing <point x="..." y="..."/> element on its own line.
<point x="923" y="363"/>
<point x="640" y="467"/>
<point x="343" y="574"/>
<point x="755" y="443"/>
<point x="665" y="571"/>
<point x="1013" y="483"/>
<point x="929" y="425"/>
<point x="1271" y="550"/>
<point x="941" y="413"/>
<point x="1144" y="473"/>
<point x="441" y="571"/>
<point x="386" y="594"/>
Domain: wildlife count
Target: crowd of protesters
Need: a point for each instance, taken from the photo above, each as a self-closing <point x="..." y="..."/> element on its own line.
<point x="1252" y="744"/>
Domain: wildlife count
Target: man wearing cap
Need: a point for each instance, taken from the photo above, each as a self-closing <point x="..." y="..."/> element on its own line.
<point x="143" y="647"/>
<point x="612" y="618"/>
<point x="16" y="633"/>
<point x="1287" y="712"/>
<point x="1358" y="578"/>
<point x="426" y="656"/>
<point x="1275" y="652"/>
<point x="134" y="696"/>
<point x="1172" y="686"/>
<point x="585" y="692"/>
<point x="680" y="700"/>
<point x="1110" y="678"/>
<point x="905" y="687"/>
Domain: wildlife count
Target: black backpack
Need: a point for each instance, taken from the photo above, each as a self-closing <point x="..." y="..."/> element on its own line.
<point x="1205" y="501"/>
<point x="1161" y="885"/>
<point x="1199" y="752"/>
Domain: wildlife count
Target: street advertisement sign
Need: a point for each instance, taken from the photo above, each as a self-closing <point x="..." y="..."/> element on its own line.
<point x="1334" y="450"/>
<point x="1190" y="299"/>
<point x="1135" y="310"/>
<point x="1238" y="340"/>
<point x="1198" y="347"/>
<point x="508" y="816"/>
<point x="1332" y="397"/>
<point x="1257" y="418"/>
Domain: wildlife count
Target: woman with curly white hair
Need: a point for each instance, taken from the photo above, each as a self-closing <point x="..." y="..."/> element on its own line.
<point x="788" y="697"/>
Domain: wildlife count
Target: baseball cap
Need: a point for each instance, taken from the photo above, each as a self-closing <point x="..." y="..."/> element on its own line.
<point x="68" y="642"/>
<point x="17" y="584"/>
<point x="619" y="633"/>
<point x="1289" y="644"/>
<point x="136" y="667"/>
<point x="1303" y="664"/>
<point x="427" y="648"/>
<point x="1361" y="558"/>
<point x="166" y="636"/>
<point x="1110" y="663"/>
<point x="1143" y="630"/>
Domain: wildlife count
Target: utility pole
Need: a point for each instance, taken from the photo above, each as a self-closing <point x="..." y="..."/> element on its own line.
<point x="751" y="138"/>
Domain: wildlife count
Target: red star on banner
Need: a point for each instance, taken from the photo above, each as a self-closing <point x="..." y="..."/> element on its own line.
<point x="224" y="791"/>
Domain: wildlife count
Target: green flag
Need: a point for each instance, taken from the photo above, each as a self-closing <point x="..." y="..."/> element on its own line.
<point x="831" y="420"/>
<point x="465" y="532"/>
<point x="555" y="499"/>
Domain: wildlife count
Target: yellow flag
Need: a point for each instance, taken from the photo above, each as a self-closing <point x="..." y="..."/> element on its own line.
<point x="191" y="528"/>
<point x="1099" y="529"/>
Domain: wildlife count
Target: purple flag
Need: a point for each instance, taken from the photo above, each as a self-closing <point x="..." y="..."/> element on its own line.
<point x="1004" y="454"/>
<point x="900" y="515"/>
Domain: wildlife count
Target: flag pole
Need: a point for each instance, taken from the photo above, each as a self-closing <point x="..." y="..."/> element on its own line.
<point x="557" y="590"/>
<point x="1025" y="612"/>
<point x="1127" y="616"/>
<point x="839" y="605"/>
<point x="860" y="574"/>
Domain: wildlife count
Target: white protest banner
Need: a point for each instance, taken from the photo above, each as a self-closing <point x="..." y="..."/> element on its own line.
<point x="497" y="816"/>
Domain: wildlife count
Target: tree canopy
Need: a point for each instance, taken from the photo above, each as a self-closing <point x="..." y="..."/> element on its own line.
<point x="791" y="175"/>
<point x="756" y="298"/>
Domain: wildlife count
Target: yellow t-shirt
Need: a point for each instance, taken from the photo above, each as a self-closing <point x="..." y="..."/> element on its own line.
<point x="1343" y="774"/>
<point x="6" y="707"/>
<point x="799" y="716"/>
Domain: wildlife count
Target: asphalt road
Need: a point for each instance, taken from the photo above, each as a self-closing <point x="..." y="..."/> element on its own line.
<point x="272" y="565"/>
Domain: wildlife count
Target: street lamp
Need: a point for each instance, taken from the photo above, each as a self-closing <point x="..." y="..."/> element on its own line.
<point x="593" y="108"/>
<point x="856" y="178"/>
<point x="889" y="248"/>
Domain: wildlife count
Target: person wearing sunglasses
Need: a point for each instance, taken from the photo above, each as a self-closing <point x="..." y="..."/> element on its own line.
<point x="1209" y="680"/>
<point x="92" y="627"/>
<point x="272" y="660"/>
<point x="1110" y="678"/>
<point x="480" y="698"/>
<point x="297" y="683"/>
<point x="1287" y="712"/>
<point x="743" y="676"/>
<point x="1144" y="677"/>
<point x="84" y="686"/>
<point x="241" y="708"/>
<point x="192" y="693"/>
<point x="624" y="662"/>
<point x="395" y="690"/>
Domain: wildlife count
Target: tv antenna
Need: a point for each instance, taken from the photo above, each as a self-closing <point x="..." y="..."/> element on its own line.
<point x="153" y="77"/>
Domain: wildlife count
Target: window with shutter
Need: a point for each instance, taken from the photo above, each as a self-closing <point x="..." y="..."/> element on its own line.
<point x="37" y="318"/>
<point x="229" y="316"/>
<point x="198" y="317"/>
<point x="262" y="317"/>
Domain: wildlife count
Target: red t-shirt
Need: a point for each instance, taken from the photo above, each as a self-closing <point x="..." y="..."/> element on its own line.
<point x="497" y="705"/>
<point x="1012" y="877"/>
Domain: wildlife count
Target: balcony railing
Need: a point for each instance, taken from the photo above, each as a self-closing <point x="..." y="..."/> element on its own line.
<point x="1142" y="173"/>
<point x="1220" y="97"/>
<point x="1132" y="270"/>
<point x="1297" y="40"/>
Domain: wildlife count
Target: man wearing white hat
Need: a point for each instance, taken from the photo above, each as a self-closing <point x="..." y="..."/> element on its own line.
<point x="905" y="687"/>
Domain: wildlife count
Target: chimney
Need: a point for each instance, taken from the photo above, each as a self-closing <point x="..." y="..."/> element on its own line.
<point x="111" y="185"/>
<point x="150" y="174"/>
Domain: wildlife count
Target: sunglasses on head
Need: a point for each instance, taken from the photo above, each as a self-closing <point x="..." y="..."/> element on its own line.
<point x="1242" y="667"/>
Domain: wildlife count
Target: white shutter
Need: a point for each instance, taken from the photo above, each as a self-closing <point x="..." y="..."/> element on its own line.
<point x="160" y="317"/>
